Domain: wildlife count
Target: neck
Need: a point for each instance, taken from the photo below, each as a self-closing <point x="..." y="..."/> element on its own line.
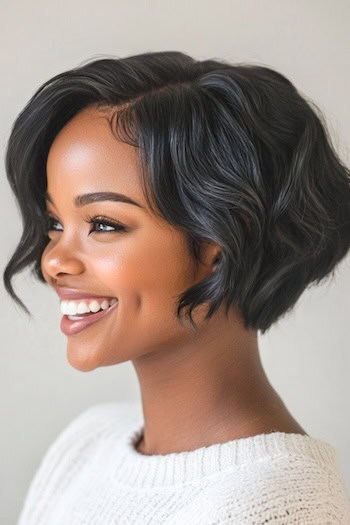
<point x="211" y="389"/>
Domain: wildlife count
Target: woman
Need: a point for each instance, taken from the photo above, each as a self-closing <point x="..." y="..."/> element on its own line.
<point x="177" y="207"/>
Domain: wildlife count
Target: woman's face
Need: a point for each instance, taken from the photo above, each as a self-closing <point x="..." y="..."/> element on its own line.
<point x="143" y="263"/>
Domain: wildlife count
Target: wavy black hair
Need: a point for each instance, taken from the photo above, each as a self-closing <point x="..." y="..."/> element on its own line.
<point x="229" y="153"/>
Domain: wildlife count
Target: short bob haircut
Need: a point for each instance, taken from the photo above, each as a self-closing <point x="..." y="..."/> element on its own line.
<point x="229" y="153"/>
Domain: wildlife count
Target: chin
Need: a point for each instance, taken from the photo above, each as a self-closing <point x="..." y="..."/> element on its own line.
<point x="82" y="358"/>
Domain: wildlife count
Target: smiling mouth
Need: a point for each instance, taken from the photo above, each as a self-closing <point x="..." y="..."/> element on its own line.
<point x="87" y="306"/>
<point x="72" y="324"/>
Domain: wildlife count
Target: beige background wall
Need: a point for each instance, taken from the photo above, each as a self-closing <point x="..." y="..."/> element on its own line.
<point x="307" y="356"/>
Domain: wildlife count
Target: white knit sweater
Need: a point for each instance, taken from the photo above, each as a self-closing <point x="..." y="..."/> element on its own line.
<point x="92" y="474"/>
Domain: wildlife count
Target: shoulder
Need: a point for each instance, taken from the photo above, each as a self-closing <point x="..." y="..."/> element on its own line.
<point x="286" y="489"/>
<point x="282" y="489"/>
<point x="83" y="431"/>
<point x="74" y="448"/>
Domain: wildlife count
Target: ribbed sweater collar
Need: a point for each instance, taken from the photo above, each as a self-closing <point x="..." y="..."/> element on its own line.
<point x="133" y="469"/>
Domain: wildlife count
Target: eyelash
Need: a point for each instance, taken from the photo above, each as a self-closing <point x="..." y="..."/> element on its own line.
<point x="94" y="219"/>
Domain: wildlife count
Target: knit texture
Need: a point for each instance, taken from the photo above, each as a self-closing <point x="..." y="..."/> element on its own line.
<point x="92" y="474"/>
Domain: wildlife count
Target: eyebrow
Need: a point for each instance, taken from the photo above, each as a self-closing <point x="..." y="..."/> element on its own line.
<point x="88" y="198"/>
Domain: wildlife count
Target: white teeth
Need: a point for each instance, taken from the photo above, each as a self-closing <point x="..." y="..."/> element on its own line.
<point x="82" y="308"/>
<point x="71" y="308"/>
<point x="94" y="306"/>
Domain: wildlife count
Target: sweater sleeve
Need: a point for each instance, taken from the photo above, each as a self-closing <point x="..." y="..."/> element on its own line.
<point x="56" y="469"/>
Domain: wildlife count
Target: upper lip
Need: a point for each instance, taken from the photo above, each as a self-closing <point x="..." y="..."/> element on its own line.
<point x="73" y="293"/>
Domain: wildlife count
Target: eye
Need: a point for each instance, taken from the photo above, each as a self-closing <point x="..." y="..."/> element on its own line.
<point x="50" y="224"/>
<point x="104" y="225"/>
<point x="100" y="224"/>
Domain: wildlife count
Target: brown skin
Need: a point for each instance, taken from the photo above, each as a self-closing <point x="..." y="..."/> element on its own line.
<point x="197" y="388"/>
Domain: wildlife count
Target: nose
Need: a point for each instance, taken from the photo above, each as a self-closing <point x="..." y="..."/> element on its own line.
<point x="59" y="259"/>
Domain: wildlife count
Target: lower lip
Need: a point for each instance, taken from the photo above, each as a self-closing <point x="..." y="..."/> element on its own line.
<point x="69" y="327"/>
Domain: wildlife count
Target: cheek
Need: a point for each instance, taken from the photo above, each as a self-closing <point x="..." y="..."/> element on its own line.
<point x="154" y="269"/>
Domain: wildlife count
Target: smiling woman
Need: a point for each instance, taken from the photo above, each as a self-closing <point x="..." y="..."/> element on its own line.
<point x="155" y="185"/>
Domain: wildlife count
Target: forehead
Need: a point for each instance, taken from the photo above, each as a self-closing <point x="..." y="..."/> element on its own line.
<point x="86" y="157"/>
